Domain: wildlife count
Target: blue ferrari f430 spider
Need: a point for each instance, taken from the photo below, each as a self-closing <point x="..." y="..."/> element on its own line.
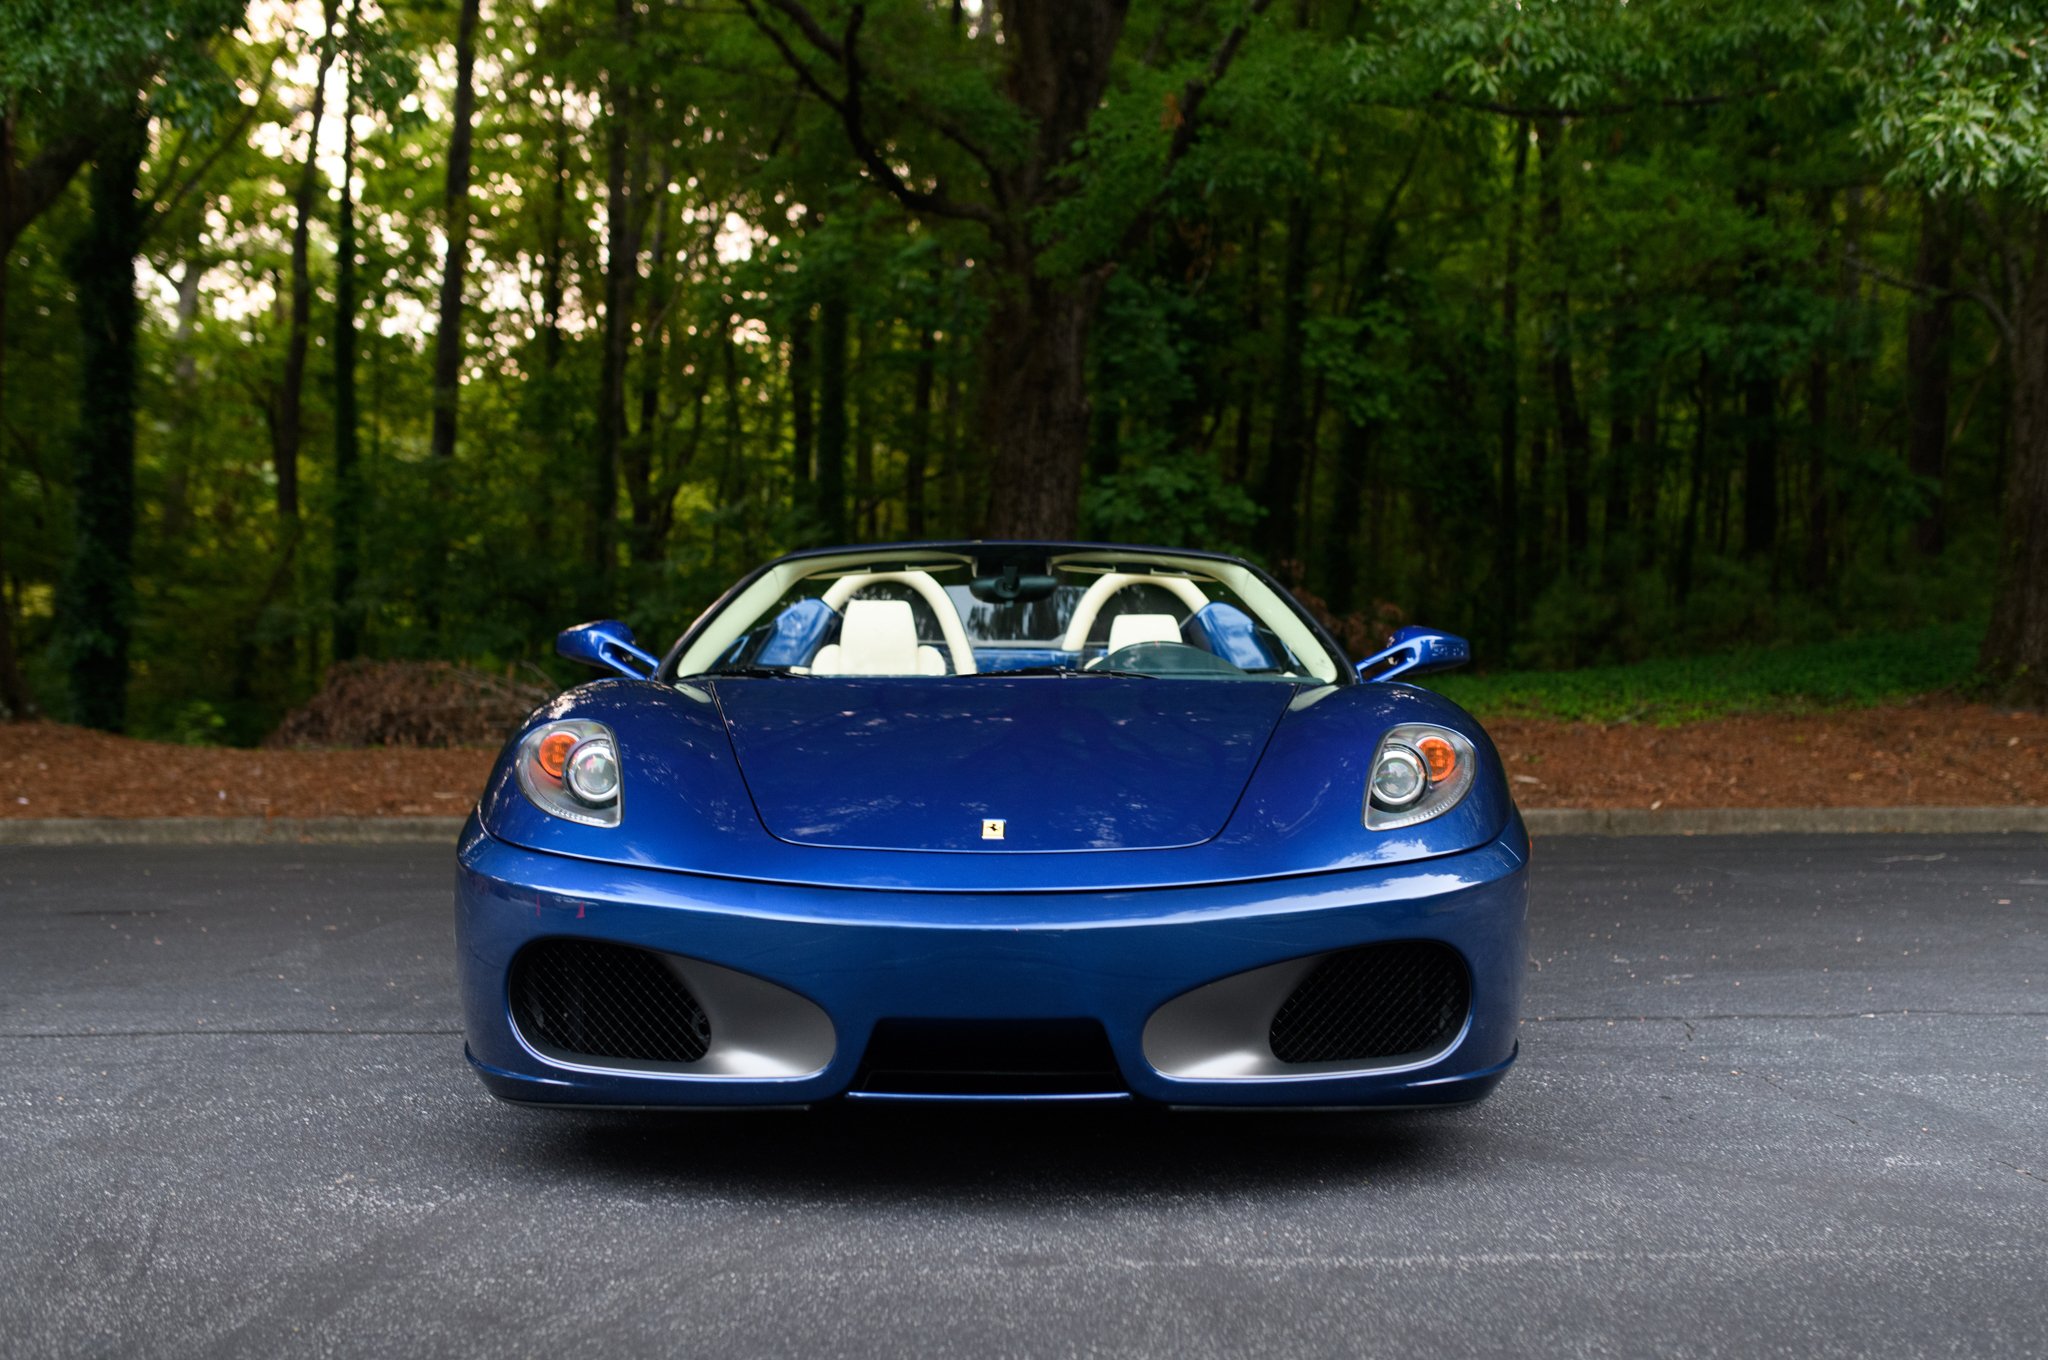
<point x="996" y="821"/>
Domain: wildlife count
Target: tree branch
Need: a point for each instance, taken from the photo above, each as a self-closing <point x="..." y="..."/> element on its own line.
<point x="1188" y="110"/>
<point x="851" y="114"/>
<point x="1980" y="296"/>
<point x="1198" y="88"/>
<point x="28" y="192"/>
<point x="228" y="139"/>
<point x="812" y="30"/>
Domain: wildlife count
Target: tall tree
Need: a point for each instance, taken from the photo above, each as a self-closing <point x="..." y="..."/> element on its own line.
<point x="624" y="158"/>
<point x="1574" y="432"/>
<point x="1930" y="333"/>
<point x="1057" y="58"/>
<point x="1508" y="521"/>
<point x="1956" y="96"/>
<point x="97" y="601"/>
<point x="287" y="402"/>
<point x="348" y="492"/>
<point x="1288" y="453"/>
<point x="833" y="424"/>
<point x="455" y="222"/>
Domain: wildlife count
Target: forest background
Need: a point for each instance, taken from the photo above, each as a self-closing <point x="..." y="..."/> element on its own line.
<point x="1598" y="331"/>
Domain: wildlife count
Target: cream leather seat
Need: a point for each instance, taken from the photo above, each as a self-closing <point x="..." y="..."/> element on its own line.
<point x="878" y="637"/>
<point x="1126" y="629"/>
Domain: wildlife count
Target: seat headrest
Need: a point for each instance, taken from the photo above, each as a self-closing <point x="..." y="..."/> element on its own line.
<point x="1126" y="629"/>
<point x="878" y="637"/>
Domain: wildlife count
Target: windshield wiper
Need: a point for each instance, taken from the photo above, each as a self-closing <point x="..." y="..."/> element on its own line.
<point x="1070" y="671"/>
<point x="749" y="673"/>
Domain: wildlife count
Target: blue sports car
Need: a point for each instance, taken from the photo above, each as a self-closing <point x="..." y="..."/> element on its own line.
<point x="964" y="821"/>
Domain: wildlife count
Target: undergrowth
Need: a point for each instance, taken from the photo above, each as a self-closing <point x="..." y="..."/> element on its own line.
<point x="1849" y="673"/>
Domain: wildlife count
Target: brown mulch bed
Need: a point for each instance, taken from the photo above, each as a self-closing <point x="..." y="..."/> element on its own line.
<point x="412" y="703"/>
<point x="59" y="771"/>
<point x="1932" y="753"/>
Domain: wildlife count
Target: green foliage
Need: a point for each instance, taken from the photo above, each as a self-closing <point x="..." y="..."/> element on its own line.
<point x="1696" y="240"/>
<point x="1845" y="673"/>
<point x="1955" y="92"/>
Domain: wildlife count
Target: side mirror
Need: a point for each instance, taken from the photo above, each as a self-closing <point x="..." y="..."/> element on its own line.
<point x="1417" y="651"/>
<point x="608" y="645"/>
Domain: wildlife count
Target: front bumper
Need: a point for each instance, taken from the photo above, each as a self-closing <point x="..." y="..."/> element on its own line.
<point x="864" y="956"/>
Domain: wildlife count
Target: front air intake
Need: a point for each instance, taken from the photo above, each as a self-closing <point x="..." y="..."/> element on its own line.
<point x="989" y="1058"/>
<point x="1382" y="1003"/>
<point x="588" y="1000"/>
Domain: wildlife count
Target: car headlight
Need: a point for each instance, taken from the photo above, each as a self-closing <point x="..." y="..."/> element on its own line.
<point x="1419" y="772"/>
<point x="570" y="769"/>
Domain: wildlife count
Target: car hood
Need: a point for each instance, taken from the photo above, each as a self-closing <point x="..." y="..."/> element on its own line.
<point x="1063" y="764"/>
<point x="1298" y="797"/>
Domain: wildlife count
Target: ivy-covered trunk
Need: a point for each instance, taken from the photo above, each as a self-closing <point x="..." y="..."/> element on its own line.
<point x="2015" y="654"/>
<point x="97" y="599"/>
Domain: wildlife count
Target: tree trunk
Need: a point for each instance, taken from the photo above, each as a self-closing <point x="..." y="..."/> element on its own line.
<point x="1930" y="328"/>
<point x="638" y="452"/>
<point x="1648" y="484"/>
<point x="455" y="220"/>
<point x="1574" y="432"/>
<point x="286" y="420"/>
<point x="97" y="599"/>
<point x="1035" y="409"/>
<point x="1035" y="413"/>
<point x="1695" y="484"/>
<point x="551" y="261"/>
<point x="832" y="424"/>
<point x="1287" y="453"/>
<point x="622" y="269"/>
<point x="1759" y="412"/>
<point x="863" y="448"/>
<point x="14" y="695"/>
<point x="1624" y="399"/>
<point x="917" y="451"/>
<point x="348" y="521"/>
<point x="802" y="491"/>
<point x="1819" y="430"/>
<point x="1355" y="441"/>
<point x="1507" y="527"/>
<point x="1817" y="435"/>
<point x="2015" y="653"/>
<point x="1760" y="465"/>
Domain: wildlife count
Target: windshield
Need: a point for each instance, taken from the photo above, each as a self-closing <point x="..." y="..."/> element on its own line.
<point x="1102" y="613"/>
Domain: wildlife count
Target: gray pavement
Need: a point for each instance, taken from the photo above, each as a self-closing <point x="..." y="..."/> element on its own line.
<point x="1777" y="1096"/>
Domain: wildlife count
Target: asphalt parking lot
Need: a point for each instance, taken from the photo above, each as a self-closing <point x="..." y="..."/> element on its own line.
<point x="1777" y="1096"/>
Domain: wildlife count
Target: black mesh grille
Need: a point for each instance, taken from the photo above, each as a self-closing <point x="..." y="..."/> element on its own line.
<point x="1379" y="1003"/>
<point x="596" y="1000"/>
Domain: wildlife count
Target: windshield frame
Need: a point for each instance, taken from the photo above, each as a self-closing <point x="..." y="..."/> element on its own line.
<point x="706" y="639"/>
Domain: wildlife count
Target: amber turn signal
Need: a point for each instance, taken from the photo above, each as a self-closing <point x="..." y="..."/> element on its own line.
<point x="553" y="753"/>
<point x="1440" y="756"/>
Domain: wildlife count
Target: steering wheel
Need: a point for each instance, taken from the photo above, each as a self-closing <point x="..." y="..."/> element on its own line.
<point x="1164" y="659"/>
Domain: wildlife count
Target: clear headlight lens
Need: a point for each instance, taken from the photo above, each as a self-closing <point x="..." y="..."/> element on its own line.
<point x="570" y="769"/>
<point x="593" y="772"/>
<point x="1399" y="778"/>
<point x="1419" y="772"/>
